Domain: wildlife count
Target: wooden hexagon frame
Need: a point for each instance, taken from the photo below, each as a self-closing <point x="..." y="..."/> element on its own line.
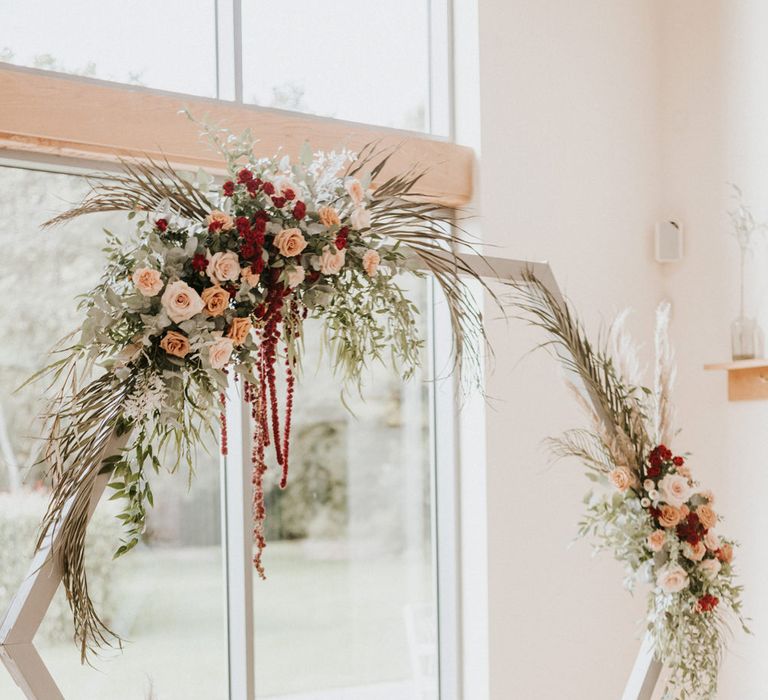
<point x="31" y="602"/>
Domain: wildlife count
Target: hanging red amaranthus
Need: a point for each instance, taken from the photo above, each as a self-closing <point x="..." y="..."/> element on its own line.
<point x="265" y="412"/>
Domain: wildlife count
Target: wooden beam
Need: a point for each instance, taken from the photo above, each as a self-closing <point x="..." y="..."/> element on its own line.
<point x="60" y="115"/>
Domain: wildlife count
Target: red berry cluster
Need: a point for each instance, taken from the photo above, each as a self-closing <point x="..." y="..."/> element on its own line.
<point x="656" y="459"/>
<point x="691" y="530"/>
<point x="707" y="603"/>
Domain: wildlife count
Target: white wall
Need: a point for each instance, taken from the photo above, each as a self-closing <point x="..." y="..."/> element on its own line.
<point x="715" y="108"/>
<point x="596" y="119"/>
<point x="569" y="172"/>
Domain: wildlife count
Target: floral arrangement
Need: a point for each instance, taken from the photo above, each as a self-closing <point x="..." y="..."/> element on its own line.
<point x="214" y="284"/>
<point x="648" y="510"/>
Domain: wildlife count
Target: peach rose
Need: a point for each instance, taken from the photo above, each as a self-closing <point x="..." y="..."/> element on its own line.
<point x="239" y="330"/>
<point x="216" y="300"/>
<point x="176" y="344"/>
<point x="331" y="261"/>
<point x="712" y="541"/>
<point x="361" y="218"/>
<point x="655" y="541"/>
<point x="675" y="489"/>
<point x="290" y="242"/>
<point x="355" y="190"/>
<point x="219" y="352"/>
<point x="670" y="516"/>
<point x="725" y="553"/>
<point x="181" y="302"/>
<point x="147" y="281"/>
<point x="710" y="568"/>
<point x="371" y="260"/>
<point x="621" y="478"/>
<point x="707" y="516"/>
<point x="219" y="221"/>
<point x="672" y="578"/>
<point x="250" y="277"/>
<point x="694" y="552"/>
<point x="295" y="277"/>
<point x="223" y="267"/>
<point x="328" y="216"/>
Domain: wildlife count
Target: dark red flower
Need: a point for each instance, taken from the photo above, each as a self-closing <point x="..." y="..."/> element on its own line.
<point x="653" y="471"/>
<point x="244" y="175"/>
<point x="252" y="187"/>
<point x="199" y="262"/>
<point x="313" y="276"/>
<point x="228" y="188"/>
<point x="678" y="461"/>
<point x="279" y="202"/>
<point x="300" y="210"/>
<point x="161" y="224"/>
<point x="707" y="603"/>
<point x="289" y="194"/>
<point x="341" y="242"/>
<point x="257" y="265"/>
<point x="243" y="225"/>
<point x="268" y="188"/>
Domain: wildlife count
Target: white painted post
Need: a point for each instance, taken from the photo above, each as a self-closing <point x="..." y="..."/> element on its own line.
<point x="31" y="602"/>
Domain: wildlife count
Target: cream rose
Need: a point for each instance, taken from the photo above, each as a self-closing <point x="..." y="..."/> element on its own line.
<point x="675" y="489"/>
<point x="147" y="281"/>
<point x="656" y="540"/>
<point x="283" y="184"/>
<point x="621" y="477"/>
<point x="328" y="216"/>
<point x="223" y="267"/>
<point x="708" y="496"/>
<point x="239" y="330"/>
<point x="331" y="261"/>
<point x="669" y="516"/>
<point x="707" y="516"/>
<point x="371" y="260"/>
<point x="175" y="344"/>
<point x="219" y="221"/>
<point x="361" y="218"/>
<point x="290" y="242"/>
<point x="295" y="277"/>
<point x="250" y="277"/>
<point x="219" y="352"/>
<point x="355" y="190"/>
<point x="181" y="302"/>
<point x="712" y="541"/>
<point x="672" y="578"/>
<point x="710" y="568"/>
<point x="216" y="300"/>
<point x="694" y="552"/>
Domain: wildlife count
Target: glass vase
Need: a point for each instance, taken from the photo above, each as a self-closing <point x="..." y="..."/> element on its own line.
<point x="743" y="338"/>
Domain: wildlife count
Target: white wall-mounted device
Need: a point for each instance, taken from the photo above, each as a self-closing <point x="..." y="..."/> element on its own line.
<point x="669" y="241"/>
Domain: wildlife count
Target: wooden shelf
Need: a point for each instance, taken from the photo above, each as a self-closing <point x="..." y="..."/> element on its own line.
<point x="747" y="379"/>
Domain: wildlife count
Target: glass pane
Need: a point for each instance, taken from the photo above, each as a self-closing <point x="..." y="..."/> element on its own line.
<point x="169" y="45"/>
<point x="348" y="610"/>
<point x="361" y="60"/>
<point x="167" y="598"/>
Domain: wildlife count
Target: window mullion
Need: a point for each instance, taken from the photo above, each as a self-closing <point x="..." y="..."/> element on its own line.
<point x="238" y="546"/>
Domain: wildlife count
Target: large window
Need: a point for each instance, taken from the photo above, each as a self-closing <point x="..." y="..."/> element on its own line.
<point x="168" y="597"/>
<point x="350" y="609"/>
<point x="360" y="60"/>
